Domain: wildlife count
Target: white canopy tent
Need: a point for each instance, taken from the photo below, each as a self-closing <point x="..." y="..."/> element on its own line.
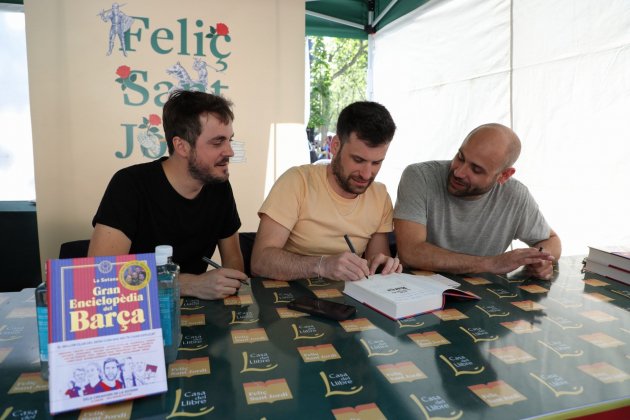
<point x="557" y="72"/>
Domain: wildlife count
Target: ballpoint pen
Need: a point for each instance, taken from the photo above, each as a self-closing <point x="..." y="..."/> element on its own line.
<point x="215" y="265"/>
<point x="351" y="246"/>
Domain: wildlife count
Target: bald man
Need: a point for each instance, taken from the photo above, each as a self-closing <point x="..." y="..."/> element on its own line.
<point x="461" y="216"/>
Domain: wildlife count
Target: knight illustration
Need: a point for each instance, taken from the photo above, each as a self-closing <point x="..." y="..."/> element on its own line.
<point x="121" y="23"/>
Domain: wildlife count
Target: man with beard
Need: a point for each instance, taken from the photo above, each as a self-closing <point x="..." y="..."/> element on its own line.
<point x="311" y="207"/>
<point x="461" y="216"/>
<point x="110" y="376"/>
<point x="184" y="200"/>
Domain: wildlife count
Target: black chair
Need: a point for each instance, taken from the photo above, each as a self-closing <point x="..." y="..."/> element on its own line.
<point x="74" y="249"/>
<point x="246" y="239"/>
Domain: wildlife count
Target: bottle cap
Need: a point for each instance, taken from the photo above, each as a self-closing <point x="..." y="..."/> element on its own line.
<point x="162" y="253"/>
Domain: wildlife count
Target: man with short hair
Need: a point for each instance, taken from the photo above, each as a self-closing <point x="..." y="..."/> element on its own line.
<point x="184" y="200"/>
<point x="311" y="207"/>
<point x="461" y="216"/>
<point x="110" y="376"/>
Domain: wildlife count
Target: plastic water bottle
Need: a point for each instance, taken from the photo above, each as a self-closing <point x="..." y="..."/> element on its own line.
<point x="168" y="291"/>
<point x="41" y="304"/>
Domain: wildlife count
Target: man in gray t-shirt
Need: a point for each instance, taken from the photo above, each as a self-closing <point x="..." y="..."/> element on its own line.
<point x="461" y="216"/>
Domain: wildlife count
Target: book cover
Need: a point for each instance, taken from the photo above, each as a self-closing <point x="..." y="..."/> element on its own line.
<point x="400" y="295"/>
<point x="607" y="271"/>
<point x="104" y="335"/>
<point x="615" y="256"/>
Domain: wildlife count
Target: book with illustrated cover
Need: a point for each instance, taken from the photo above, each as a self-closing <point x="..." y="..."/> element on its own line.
<point x="104" y="335"/>
<point x="400" y="296"/>
<point x="607" y="271"/>
<point x="614" y="256"/>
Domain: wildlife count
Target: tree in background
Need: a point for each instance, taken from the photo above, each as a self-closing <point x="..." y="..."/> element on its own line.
<point x="338" y="78"/>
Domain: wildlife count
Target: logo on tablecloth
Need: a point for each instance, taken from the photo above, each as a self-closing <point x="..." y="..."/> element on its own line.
<point x="501" y="293"/>
<point x="274" y="284"/>
<point x="479" y="334"/>
<point x="243" y="316"/>
<point x="320" y="353"/>
<point x="511" y="355"/>
<point x="186" y="402"/>
<point x="597" y="297"/>
<point x="28" y="383"/>
<point x="598" y="316"/>
<point x="238" y="300"/>
<point x="533" y="288"/>
<point x="476" y="281"/>
<point x="187" y="368"/>
<point x="450" y="315"/>
<point x="567" y="302"/>
<point x="528" y="305"/>
<point x="193" y="320"/>
<point x="411" y="322"/>
<point x="561" y="348"/>
<point x="190" y="304"/>
<point x="605" y="372"/>
<point x="602" y="340"/>
<point x="497" y="393"/>
<point x="120" y="410"/>
<point x="306" y="332"/>
<point x="289" y="313"/>
<point x="327" y="293"/>
<point x="261" y="361"/>
<point x="360" y="412"/>
<point x="401" y="372"/>
<point x="377" y="347"/>
<point x="436" y="407"/>
<point x="357" y="324"/>
<point x="254" y="335"/>
<point x="25" y="312"/>
<point x="10" y="332"/>
<point x="521" y="327"/>
<point x="428" y="339"/>
<point x="557" y="384"/>
<point x="563" y="322"/>
<point x="339" y="383"/>
<point x="462" y="364"/>
<point x="267" y="392"/>
<point x="193" y="342"/>
<point x="317" y="282"/>
<point x="491" y="310"/>
<point x="283" y="297"/>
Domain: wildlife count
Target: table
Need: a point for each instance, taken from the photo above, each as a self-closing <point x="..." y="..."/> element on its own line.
<point x="529" y="348"/>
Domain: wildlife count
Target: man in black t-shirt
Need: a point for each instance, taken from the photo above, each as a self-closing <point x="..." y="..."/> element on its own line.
<point x="184" y="200"/>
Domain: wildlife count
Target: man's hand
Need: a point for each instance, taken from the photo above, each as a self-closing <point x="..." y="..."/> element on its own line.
<point x="213" y="284"/>
<point x="538" y="263"/>
<point x="347" y="266"/>
<point x="390" y="264"/>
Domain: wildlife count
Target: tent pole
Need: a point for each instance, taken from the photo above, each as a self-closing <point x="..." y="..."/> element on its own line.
<point x="370" y="68"/>
<point x="334" y="19"/>
<point x="384" y="12"/>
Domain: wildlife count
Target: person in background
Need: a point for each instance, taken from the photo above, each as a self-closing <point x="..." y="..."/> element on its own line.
<point x="184" y="200"/>
<point x="311" y="207"/>
<point x="461" y="216"/>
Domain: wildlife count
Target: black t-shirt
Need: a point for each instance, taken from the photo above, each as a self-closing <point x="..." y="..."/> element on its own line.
<point x="140" y="202"/>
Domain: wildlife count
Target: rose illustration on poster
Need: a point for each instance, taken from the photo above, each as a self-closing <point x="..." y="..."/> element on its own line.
<point x="151" y="140"/>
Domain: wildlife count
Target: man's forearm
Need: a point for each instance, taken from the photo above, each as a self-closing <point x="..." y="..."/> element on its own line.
<point x="430" y="257"/>
<point x="283" y="265"/>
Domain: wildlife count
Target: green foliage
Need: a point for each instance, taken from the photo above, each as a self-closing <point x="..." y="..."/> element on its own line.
<point x="338" y="78"/>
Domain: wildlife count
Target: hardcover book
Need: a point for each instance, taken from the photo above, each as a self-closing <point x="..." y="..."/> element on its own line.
<point x="403" y="295"/>
<point x="614" y="256"/>
<point x="104" y="335"/>
<point x="607" y="271"/>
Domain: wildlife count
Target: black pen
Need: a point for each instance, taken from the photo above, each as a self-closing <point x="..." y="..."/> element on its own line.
<point x="215" y="265"/>
<point x="351" y="246"/>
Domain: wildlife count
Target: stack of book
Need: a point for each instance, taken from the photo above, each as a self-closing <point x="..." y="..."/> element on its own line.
<point x="611" y="262"/>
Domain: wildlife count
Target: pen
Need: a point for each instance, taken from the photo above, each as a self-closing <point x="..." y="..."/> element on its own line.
<point x="215" y="265"/>
<point x="351" y="246"/>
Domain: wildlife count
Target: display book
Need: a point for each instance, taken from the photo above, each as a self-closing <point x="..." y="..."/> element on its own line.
<point x="610" y="261"/>
<point x="104" y="337"/>
<point x="400" y="295"/>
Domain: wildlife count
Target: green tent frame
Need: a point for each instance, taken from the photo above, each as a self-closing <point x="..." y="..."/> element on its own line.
<point x="354" y="18"/>
<point x="344" y="18"/>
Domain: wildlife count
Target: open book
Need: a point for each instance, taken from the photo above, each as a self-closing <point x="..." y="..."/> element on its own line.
<point x="402" y="295"/>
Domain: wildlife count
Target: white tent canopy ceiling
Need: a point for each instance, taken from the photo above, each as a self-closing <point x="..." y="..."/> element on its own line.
<point x="556" y="72"/>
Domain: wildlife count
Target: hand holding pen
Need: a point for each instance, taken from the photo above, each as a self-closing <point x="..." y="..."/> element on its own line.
<point x="217" y="266"/>
<point x="351" y="246"/>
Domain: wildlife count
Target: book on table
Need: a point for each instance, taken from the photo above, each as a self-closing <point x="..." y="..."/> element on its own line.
<point x="614" y="256"/>
<point x="401" y="295"/>
<point x="104" y="336"/>
<point x="607" y="271"/>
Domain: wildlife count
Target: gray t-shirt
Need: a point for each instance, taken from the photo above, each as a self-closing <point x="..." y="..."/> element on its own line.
<point x="485" y="226"/>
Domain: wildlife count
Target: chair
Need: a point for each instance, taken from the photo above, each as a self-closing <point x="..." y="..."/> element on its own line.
<point x="246" y="239"/>
<point x="74" y="249"/>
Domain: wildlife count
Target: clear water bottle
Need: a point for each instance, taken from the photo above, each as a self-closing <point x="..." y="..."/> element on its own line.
<point x="41" y="304"/>
<point x="168" y="291"/>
